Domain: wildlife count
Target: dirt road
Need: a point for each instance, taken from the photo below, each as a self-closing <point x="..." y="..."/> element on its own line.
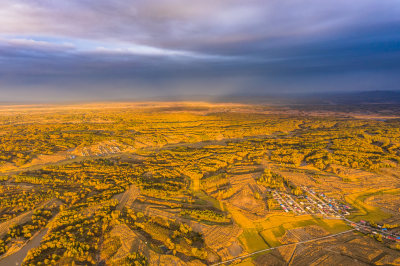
<point x="17" y="257"/>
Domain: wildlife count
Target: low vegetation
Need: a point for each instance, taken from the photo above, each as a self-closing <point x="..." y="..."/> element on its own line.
<point x="180" y="181"/>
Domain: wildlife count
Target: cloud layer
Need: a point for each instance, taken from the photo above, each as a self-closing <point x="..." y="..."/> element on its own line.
<point x="119" y="49"/>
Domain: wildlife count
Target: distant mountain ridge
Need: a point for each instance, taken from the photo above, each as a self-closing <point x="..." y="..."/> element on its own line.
<point x="363" y="97"/>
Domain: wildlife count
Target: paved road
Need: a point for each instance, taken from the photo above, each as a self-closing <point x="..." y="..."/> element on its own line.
<point x="297" y="243"/>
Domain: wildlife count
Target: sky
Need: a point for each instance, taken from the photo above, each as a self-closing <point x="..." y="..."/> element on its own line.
<point x="54" y="50"/>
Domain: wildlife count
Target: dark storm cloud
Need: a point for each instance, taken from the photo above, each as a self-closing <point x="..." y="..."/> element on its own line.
<point x="115" y="49"/>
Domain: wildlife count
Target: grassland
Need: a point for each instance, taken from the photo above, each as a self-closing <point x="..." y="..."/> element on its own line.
<point x="368" y="212"/>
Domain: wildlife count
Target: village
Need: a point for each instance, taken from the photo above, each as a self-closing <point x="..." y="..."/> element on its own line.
<point x="314" y="203"/>
<point x="311" y="202"/>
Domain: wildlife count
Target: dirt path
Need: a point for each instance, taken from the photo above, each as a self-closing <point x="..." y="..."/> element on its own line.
<point x="267" y="249"/>
<point x="18" y="257"/>
<point x="128" y="197"/>
<point x="20" y="219"/>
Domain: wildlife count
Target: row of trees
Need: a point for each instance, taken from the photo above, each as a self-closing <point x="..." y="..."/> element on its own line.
<point x="39" y="219"/>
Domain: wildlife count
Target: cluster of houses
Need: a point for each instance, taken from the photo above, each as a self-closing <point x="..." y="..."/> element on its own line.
<point x="310" y="202"/>
<point x="366" y="228"/>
